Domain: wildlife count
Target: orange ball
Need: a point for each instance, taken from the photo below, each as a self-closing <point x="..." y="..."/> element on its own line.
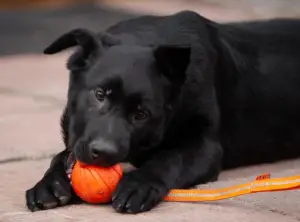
<point x="95" y="184"/>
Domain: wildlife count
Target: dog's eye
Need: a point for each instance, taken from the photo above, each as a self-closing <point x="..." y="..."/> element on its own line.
<point x="140" y="115"/>
<point x="99" y="94"/>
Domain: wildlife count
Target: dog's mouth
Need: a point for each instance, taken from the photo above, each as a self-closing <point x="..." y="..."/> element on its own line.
<point x="80" y="153"/>
<point x="102" y="162"/>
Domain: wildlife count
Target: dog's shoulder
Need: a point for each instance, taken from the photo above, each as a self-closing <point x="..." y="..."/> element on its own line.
<point x="146" y="21"/>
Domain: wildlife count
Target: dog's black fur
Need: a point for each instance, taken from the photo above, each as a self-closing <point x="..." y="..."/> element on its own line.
<point x="180" y="97"/>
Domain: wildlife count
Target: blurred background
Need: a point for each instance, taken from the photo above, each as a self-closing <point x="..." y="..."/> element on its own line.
<point x="29" y="25"/>
<point x="33" y="86"/>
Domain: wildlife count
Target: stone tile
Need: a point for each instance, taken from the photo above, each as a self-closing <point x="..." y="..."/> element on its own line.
<point x="32" y="94"/>
<point x="12" y="104"/>
<point x="32" y="134"/>
<point x="265" y="207"/>
<point x="41" y="76"/>
<point x="18" y="177"/>
<point x="278" y="202"/>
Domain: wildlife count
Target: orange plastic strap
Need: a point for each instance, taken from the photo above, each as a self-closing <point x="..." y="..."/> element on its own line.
<point x="262" y="183"/>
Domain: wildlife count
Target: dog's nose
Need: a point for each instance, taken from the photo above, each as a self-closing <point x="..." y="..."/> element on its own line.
<point x="103" y="149"/>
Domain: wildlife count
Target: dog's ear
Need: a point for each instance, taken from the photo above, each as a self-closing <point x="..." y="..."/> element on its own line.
<point x="173" y="61"/>
<point x="89" y="44"/>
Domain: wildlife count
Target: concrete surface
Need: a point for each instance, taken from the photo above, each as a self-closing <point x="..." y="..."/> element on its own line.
<point x="32" y="93"/>
<point x="264" y="207"/>
<point x="32" y="96"/>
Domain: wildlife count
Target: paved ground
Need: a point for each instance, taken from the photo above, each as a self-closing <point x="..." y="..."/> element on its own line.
<point x="32" y="95"/>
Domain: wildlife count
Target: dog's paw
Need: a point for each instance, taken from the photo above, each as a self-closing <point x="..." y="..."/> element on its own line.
<point x="52" y="191"/>
<point x="137" y="192"/>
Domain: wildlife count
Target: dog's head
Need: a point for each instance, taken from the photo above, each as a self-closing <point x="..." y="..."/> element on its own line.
<point x="120" y="96"/>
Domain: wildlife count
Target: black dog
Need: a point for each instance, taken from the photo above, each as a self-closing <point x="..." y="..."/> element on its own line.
<point x="181" y="98"/>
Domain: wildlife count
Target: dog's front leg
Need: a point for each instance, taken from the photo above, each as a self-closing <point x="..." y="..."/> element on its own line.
<point x="54" y="189"/>
<point x="190" y="163"/>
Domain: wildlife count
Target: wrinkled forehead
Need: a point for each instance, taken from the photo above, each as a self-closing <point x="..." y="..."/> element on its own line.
<point x="127" y="68"/>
